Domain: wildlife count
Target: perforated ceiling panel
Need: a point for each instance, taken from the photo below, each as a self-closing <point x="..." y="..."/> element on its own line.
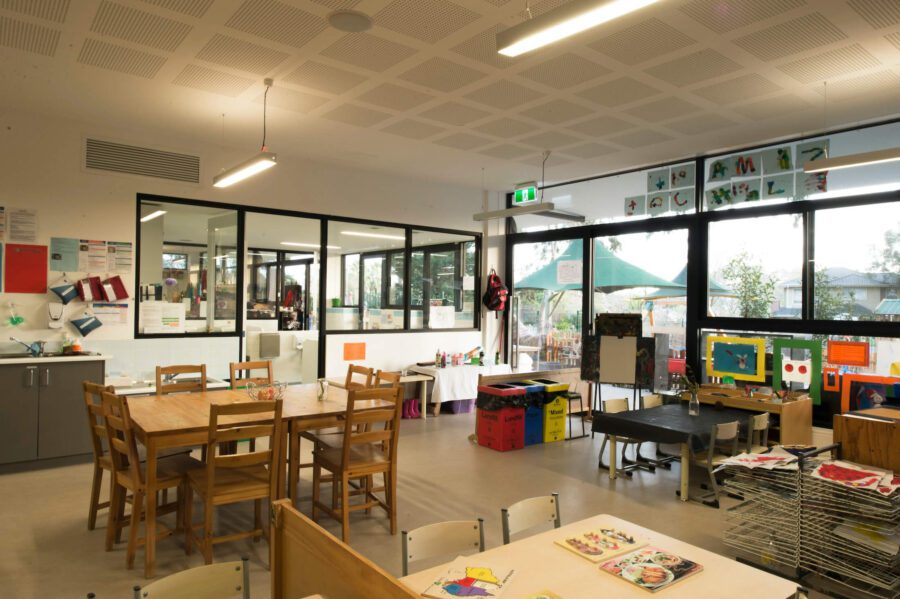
<point x="700" y="124"/>
<point x="277" y="21"/>
<point x="693" y="68"/>
<point x="880" y="82"/>
<point x="324" y="77"/>
<point x="442" y="75"/>
<point x="555" y="112"/>
<point x="454" y="113"/>
<point x="483" y="48"/>
<point x="241" y="55"/>
<point x="550" y="140"/>
<point x="537" y="160"/>
<point x="504" y="94"/>
<point x="894" y="38"/>
<point x="395" y="97"/>
<point x="49" y="10"/>
<point x="640" y="138"/>
<point x="120" y="59"/>
<point x="288" y="99"/>
<point x="830" y="64"/>
<point x="661" y="110"/>
<point x="506" y="151"/>
<point x="805" y="33"/>
<point x="723" y="16"/>
<point x="28" y="36"/>
<point x="565" y="71"/>
<point x="619" y="91"/>
<point x="368" y="51"/>
<point x="191" y="8"/>
<point x="337" y="4"/>
<point x="772" y="107"/>
<point x="740" y="88"/>
<point x="414" y="129"/>
<point x="426" y="20"/>
<point x="140" y="27"/>
<point x="643" y="42"/>
<point x="505" y="127"/>
<point x="590" y="150"/>
<point x="210" y="80"/>
<point x="356" y="115"/>
<point x="463" y="141"/>
<point x="877" y="13"/>
<point x="601" y="126"/>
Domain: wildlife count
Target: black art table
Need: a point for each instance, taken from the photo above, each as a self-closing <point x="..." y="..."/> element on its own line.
<point x="665" y="424"/>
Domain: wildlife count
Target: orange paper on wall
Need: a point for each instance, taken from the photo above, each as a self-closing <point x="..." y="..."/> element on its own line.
<point x="848" y="353"/>
<point x="354" y="351"/>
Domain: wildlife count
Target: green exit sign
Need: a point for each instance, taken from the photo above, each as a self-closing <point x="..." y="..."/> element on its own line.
<point x="525" y="195"/>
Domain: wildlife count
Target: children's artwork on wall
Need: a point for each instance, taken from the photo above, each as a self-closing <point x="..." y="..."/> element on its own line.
<point x="850" y="381"/>
<point x="658" y="180"/>
<point x="682" y="200"/>
<point x="746" y="165"/>
<point x="831" y="379"/>
<point x="719" y="170"/>
<point x="779" y="186"/>
<point x="796" y="371"/>
<point x="718" y="197"/>
<point x="778" y="160"/>
<point x="870" y="395"/>
<point x="813" y="365"/>
<point x="657" y="203"/>
<point x="736" y="357"/>
<point x="618" y="325"/>
<point x="815" y="183"/>
<point x="635" y="205"/>
<point x="848" y="353"/>
<point x="681" y="176"/>
<point x="745" y="191"/>
<point x="812" y="151"/>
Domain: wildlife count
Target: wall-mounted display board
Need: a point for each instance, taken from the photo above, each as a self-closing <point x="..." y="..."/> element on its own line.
<point x="742" y="358"/>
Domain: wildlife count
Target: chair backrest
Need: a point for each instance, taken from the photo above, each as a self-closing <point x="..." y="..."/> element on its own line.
<point x="365" y="425"/>
<point x="613" y="406"/>
<point x="163" y="387"/>
<point x="723" y="438"/>
<point x="528" y="513"/>
<point x="651" y="400"/>
<point x="120" y="439"/>
<point x="442" y="538"/>
<point x="758" y="433"/>
<point x="93" y="402"/>
<point x="235" y="369"/>
<point x="227" y="579"/>
<point x="244" y="420"/>
<point x="386" y="379"/>
<point x="362" y="371"/>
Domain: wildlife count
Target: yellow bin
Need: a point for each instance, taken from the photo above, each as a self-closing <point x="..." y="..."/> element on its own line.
<point x="554" y="410"/>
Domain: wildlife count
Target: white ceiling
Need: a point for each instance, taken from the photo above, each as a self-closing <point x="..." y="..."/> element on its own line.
<point x="425" y="94"/>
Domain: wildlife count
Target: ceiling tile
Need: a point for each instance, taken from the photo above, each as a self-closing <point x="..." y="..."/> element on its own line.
<point x="737" y="89"/>
<point x="324" y="77"/>
<point x="697" y="125"/>
<point x="498" y="2"/>
<point x="797" y="35"/>
<point x="661" y="110"/>
<point x="550" y="140"/>
<point x="772" y="107"/>
<point x="238" y="54"/>
<point x="556" y="111"/>
<point x="723" y="16"/>
<point x="356" y="115"/>
<point x="545" y="6"/>
<point x="618" y="92"/>
<point x="464" y="141"/>
<point x="877" y="13"/>
<point x="368" y="51"/>
<point x="454" y="113"/>
<point x="426" y="20"/>
<point x="894" y="38"/>
<point x="120" y="59"/>
<point x="277" y="22"/>
<point x="506" y="151"/>
<point x="442" y="75"/>
<point x="147" y="29"/>
<point x="395" y="97"/>
<point x="337" y="4"/>
<point x="210" y="80"/>
<point x="483" y="48"/>
<point x="600" y="126"/>
<point x="28" y="36"/>
<point x="505" y="128"/>
<point x="553" y="161"/>
<point x="565" y="71"/>
<point x="504" y="94"/>
<point x="693" y="68"/>
<point x="49" y="10"/>
<point x="289" y="99"/>
<point x="644" y="41"/>
<point x="191" y="8"/>
<point x="413" y="129"/>
<point x="640" y="138"/>
<point x="872" y="84"/>
<point x="590" y="150"/>
<point x="830" y="64"/>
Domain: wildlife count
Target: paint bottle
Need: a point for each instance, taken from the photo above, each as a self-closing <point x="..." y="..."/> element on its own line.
<point x="437" y="358"/>
<point x="444" y="360"/>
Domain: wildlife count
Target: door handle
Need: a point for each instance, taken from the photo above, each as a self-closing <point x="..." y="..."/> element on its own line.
<point x="46" y="376"/>
<point x="29" y="376"/>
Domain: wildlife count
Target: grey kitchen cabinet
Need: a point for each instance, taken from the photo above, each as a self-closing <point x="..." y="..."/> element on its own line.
<point x="42" y="412"/>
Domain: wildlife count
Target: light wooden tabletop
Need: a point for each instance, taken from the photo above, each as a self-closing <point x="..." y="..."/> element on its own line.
<point x="189" y="412"/>
<point x="541" y="565"/>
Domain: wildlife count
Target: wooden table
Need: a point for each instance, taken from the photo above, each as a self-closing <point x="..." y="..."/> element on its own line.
<point x="794" y="417"/>
<point x="182" y="420"/>
<point x="422" y="379"/>
<point x="542" y="565"/>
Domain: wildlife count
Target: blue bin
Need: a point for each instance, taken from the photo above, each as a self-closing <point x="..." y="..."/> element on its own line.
<point x="534" y="425"/>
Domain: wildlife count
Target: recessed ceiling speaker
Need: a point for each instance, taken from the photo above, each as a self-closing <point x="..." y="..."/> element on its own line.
<point x="350" y="21"/>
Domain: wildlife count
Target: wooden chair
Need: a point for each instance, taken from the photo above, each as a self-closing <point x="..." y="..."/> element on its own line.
<point x="723" y="443"/>
<point x="385" y="378"/>
<point x="351" y="382"/>
<point x="129" y="475"/>
<point x="758" y="433"/>
<point x="235" y="369"/>
<point x="166" y="383"/>
<point x="614" y="406"/>
<point x="440" y="539"/>
<point x="227" y="479"/>
<point x="369" y="447"/>
<point x="203" y="582"/>
<point x="529" y="513"/>
<point x="93" y="402"/>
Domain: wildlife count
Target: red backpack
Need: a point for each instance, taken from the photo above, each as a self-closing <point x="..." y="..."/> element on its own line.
<point x="496" y="295"/>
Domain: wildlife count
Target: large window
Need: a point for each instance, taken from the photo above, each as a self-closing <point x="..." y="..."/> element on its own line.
<point x="442" y="281"/>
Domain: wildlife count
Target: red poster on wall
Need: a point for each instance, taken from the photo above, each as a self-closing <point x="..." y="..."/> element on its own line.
<point x="26" y="268"/>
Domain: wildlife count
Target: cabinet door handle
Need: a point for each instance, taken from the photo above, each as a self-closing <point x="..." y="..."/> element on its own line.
<point x="46" y="382"/>
<point x="29" y="376"/>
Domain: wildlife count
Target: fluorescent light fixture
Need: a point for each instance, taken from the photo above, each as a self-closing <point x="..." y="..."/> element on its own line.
<point x="373" y="235"/>
<point x="259" y="163"/>
<point x="309" y="245"/>
<point x="833" y="164"/>
<point x="565" y="21"/>
<point x="548" y="209"/>
<point x="152" y="215"/>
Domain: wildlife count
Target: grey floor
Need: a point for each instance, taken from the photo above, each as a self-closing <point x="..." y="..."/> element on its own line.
<point x="47" y="551"/>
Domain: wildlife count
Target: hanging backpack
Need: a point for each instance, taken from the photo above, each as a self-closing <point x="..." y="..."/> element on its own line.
<point x="496" y="295"/>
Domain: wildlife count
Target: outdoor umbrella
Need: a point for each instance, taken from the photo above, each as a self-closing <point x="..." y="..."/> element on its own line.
<point x="715" y="289"/>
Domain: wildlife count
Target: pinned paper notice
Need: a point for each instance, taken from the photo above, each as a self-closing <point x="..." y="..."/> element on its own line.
<point x="569" y="272"/>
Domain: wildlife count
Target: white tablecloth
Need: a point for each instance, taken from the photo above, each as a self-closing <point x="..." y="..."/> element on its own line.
<point x="458" y="382"/>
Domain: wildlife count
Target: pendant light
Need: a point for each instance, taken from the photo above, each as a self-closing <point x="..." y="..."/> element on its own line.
<point x="261" y="162"/>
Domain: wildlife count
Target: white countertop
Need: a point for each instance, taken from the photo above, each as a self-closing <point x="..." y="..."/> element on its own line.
<point x="47" y="359"/>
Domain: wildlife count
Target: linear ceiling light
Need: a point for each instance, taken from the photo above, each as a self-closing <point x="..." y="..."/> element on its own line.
<point x="259" y="163"/>
<point x="309" y="245"/>
<point x="152" y="215"/>
<point x="373" y="235"/>
<point x="565" y="21"/>
<point x="548" y="209"/>
<point x="833" y="164"/>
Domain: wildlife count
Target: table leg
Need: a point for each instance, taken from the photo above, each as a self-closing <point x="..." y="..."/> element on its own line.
<point x="685" y="470"/>
<point x="150" y="519"/>
<point x="281" y="482"/>
<point x="612" y="457"/>
<point x="423" y="398"/>
<point x="294" y="462"/>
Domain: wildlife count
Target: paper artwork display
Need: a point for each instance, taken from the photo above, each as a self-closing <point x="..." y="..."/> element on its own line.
<point x="745" y="191"/>
<point x="815" y="183"/>
<point x="719" y="170"/>
<point x="870" y="395"/>
<point x="831" y="379"/>
<point x="869" y="533"/>
<point x="776" y="458"/>
<point x="467" y="578"/>
<point x="652" y="569"/>
<point x="635" y="205"/>
<point x="618" y="357"/>
<point x="849" y="474"/>
<point x="658" y="180"/>
<point x="746" y="165"/>
<point x="682" y="200"/>
<point x="848" y="353"/>
<point x="618" y="325"/>
<point x="740" y="357"/>
<point x="778" y="160"/>
<point x="814" y="359"/>
<point x="657" y="203"/>
<point x="812" y="151"/>
<point x="22" y="225"/>
<point x="681" y="176"/>
<point x="26" y="269"/>
<point x="796" y="371"/>
<point x="601" y="544"/>
<point x="779" y="186"/>
<point x="718" y="197"/>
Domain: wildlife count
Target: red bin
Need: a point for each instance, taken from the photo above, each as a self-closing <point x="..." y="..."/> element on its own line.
<point x="502" y="430"/>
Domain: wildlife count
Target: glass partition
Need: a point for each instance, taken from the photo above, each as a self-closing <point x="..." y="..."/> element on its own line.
<point x="442" y="281"/>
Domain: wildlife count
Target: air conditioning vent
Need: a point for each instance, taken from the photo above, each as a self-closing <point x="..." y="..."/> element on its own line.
<point x="134" y="160"/>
